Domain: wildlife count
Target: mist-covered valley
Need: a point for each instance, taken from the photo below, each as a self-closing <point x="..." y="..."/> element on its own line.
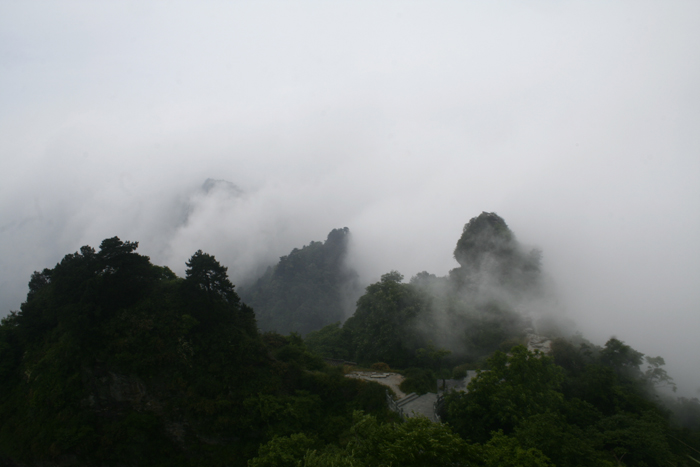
<point x="253" y="132"/>
<point x="250" y="229"/>
<point x="113" y="359"/>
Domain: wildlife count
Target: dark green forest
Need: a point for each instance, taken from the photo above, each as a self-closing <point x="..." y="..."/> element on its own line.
<point x="113" y="360"/>
<point x="308" y="289"/>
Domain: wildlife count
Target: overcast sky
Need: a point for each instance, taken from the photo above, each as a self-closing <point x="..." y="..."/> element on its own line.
<point x="577" y="122"/>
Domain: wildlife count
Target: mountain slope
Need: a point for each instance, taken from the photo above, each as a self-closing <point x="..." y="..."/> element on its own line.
<point x="308" y="289"/>
<point x="115" y="361"/>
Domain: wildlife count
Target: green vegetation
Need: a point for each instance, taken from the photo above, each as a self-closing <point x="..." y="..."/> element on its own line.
<point x="383" y="327"/>
<point x="415" y="443"/>
<point x="582" y="406"/>
<point x="419" y="380"/>
<point x="307" y="290"/>
<point x="471" y="311"/>
<point x="115" y="361"/>
<point x="515" y="387"/>
<point x="594" y="410"/>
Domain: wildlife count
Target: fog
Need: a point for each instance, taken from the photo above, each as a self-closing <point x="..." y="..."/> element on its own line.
<point x="576" y="122"/>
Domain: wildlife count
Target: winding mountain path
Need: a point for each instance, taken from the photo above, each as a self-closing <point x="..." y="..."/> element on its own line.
<point x="419" y="406"/>
<point x="392" y="380"/>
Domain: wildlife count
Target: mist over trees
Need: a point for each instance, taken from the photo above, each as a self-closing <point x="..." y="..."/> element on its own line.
<point x="471" y="312"/>
<point x="113" y="360"/>
<point x="158" y="156"/>
<point x="492" y="262"/>
<point x="308" y="289"/>
<point x="583" y="405"/>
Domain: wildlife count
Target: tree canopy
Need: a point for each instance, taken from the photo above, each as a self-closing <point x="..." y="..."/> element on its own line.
<point x="115" y="361"/>
<point x="205" y="272"/>
<point x="515" y="386"/>
<point x="308" y="289"/>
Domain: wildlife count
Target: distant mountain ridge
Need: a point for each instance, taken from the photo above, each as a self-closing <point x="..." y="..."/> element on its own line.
<point x="308" y="289"/>
<point x="113" y="360"/>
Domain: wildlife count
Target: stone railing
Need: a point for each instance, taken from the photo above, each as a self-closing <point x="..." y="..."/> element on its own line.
<point x="437" y="407"/>
<point x="394" y="406"/>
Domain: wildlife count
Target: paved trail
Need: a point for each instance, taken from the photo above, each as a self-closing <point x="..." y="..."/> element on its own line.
<point x="422" y="406"/>
<point x="412" y="405"/>
<point x="392" y="380"/>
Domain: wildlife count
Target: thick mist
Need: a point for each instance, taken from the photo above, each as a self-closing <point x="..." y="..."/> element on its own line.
<point x="576" y="123"/>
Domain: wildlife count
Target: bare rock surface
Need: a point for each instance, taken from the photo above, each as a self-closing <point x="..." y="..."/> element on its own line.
<point x="537" y="342"/>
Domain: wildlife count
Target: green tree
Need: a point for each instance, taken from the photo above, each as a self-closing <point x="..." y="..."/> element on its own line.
<point x="284" y="451"/>
<point x="415" y="443"/>
<point x="504" y="451"/>
<point x="206" y="273"/>
<point x="432" y="357"/>
<point x="655" y="376"/>
<point x="636" y="440"/>
<point x="38" y="281"/>
<point x="419" y="380"/>
<point x="622" y="358"/>
<point x="515" y="387"/>
<point x="331" y="341"/>
<point x="309" y="288"/>
<point x="383" y="327"/>
<point x="124" y="276"/>
<point x="562" y="442"/>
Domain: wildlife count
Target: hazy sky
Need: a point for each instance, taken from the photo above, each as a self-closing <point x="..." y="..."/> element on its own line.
<point x="577" y="122"/>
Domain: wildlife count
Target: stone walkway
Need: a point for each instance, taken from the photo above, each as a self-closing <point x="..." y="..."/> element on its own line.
<point x="392" y="380"/>
<point x="419" y="406"/>
<point x="412" y="405"/>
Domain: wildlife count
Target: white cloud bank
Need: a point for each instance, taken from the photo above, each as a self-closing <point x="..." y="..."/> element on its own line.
<point x="576" y="122"/>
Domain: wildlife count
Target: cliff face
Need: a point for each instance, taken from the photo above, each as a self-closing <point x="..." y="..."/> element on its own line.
<point x="110" y="390"/>
<point x="308" y="289"/>
<point x="490" y="256"/>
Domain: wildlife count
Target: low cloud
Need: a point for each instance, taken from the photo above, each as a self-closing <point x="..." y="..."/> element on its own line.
<point x="575" y="123"/>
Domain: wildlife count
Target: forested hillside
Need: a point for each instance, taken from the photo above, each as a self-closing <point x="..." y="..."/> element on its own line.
<point x="471" y="312"/>
<point x="584" y="405"/>
<point x="113" y="360"/>
<point x="308" y="289"/>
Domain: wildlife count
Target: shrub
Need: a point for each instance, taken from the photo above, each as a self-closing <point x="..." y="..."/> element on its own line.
<point x="508" y="344"/>
<point x="419" y="380"/>
<point x="460" y="371"/>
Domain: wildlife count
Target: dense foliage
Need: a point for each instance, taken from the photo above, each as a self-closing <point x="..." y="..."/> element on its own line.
<point x="471" y="312"/>
<point x="582" y="406"/>
<point x="308" y="289"/>
<point x="115" y="361"/>
<point x="517" y="412"/>
<point x="415" y="443"/>
<point x="594" y="410"/>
